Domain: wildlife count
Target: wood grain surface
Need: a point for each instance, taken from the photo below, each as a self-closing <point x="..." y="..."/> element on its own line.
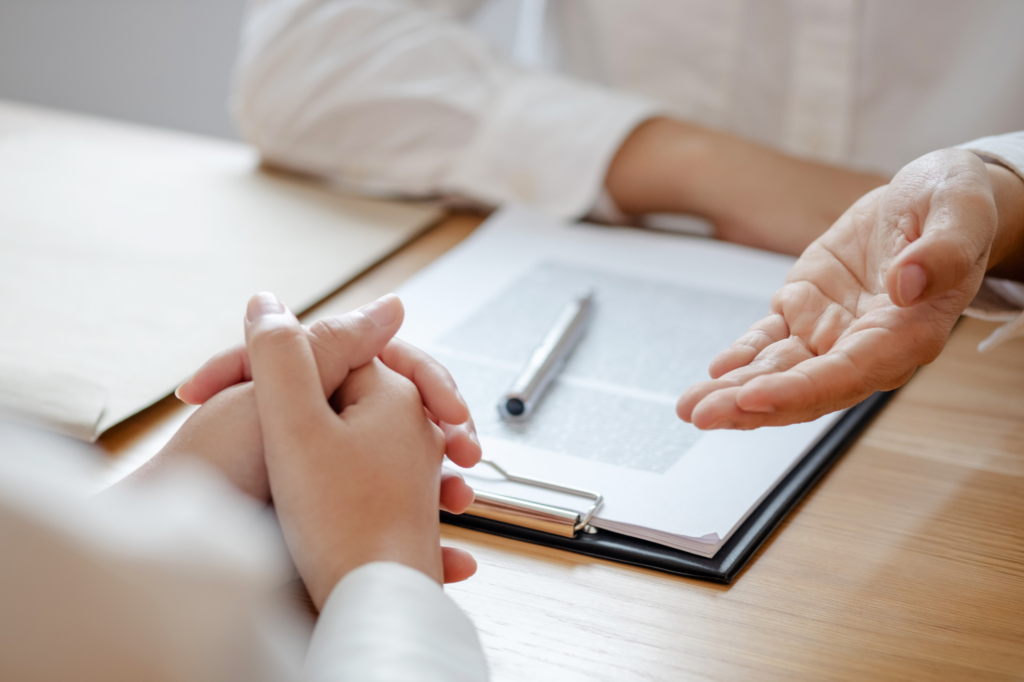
<point x="906" y="562"/>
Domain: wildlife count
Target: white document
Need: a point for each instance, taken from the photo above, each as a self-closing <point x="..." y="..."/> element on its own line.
<point x="127" y="256"/>
<point x="664" y="305"/>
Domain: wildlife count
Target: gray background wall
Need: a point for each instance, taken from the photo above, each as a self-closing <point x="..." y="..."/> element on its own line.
<point x="162" y="62"/>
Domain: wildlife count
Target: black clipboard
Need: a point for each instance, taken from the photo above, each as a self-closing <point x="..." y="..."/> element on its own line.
<point x="740" y="548"/>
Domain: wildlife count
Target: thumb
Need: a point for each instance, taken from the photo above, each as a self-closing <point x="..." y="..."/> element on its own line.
<point x="285" y="377"/>
<point x="958" y="228"/>
<point x="342" y="343"/>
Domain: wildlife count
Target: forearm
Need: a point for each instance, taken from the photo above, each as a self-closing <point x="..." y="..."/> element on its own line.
<point x="659" y="167"/>
<point x="755" y="195"/>
<point x="1006" y="260"/>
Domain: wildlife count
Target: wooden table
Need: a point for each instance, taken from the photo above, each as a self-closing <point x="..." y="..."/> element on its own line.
<point x="907" y="561"/>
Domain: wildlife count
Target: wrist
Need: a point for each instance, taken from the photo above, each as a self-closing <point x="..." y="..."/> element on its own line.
<point x="1006" y="259"/>
<point x="754" y="195"/>
<point x="420" y="552"/>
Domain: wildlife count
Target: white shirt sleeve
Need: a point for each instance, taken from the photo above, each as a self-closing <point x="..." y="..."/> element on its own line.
<point x="1000" y="300"/>
<point x="399" y="97"/>
<point x="172" y="580"/>
<point x="385" y="621"/>
<point x="179" y="578"/>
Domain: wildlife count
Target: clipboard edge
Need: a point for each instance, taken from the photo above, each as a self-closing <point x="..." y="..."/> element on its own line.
<point x="736" y="554"/>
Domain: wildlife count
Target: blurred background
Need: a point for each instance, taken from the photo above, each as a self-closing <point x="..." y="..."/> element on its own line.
<point x="160" y="62"/>
<point x="168" y="63"/>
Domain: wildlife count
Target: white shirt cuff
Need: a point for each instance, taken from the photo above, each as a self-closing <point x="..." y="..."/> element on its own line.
<point x="1006" y="150"/>
<point x="1000" y="300"/>
<point x="386" y="621"/>
<point x="547" y="142"/>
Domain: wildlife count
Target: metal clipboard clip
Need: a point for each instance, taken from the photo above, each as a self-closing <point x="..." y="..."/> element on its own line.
<point x="534" y="515"/>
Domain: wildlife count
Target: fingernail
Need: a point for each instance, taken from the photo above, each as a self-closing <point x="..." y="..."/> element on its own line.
<point x="263" y="303"/>
<point x="724" y="424"/>
<point x="763" y="409"/>
<point x="383" y="311"/>
<point x="910" y="283"/>
<point x="177" y="391"/>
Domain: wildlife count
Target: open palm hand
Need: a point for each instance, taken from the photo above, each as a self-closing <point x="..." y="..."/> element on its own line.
<point x="866" y="304"/>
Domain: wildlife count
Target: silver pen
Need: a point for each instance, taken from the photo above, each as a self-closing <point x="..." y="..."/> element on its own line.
<point x="547" y="359"/>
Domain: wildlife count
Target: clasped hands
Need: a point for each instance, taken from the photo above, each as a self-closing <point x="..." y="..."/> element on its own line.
<point x="344" y="428"/>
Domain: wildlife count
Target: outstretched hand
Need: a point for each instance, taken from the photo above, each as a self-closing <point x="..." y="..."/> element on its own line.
<point x="866" y="304"/>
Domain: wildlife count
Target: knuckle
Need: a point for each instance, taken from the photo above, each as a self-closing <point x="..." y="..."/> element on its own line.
<point x="333" y="334"/>
<point x="274" y="336"/>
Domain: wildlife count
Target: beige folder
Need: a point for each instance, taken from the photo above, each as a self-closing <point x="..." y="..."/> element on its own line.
<point x="127" y="255"/>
